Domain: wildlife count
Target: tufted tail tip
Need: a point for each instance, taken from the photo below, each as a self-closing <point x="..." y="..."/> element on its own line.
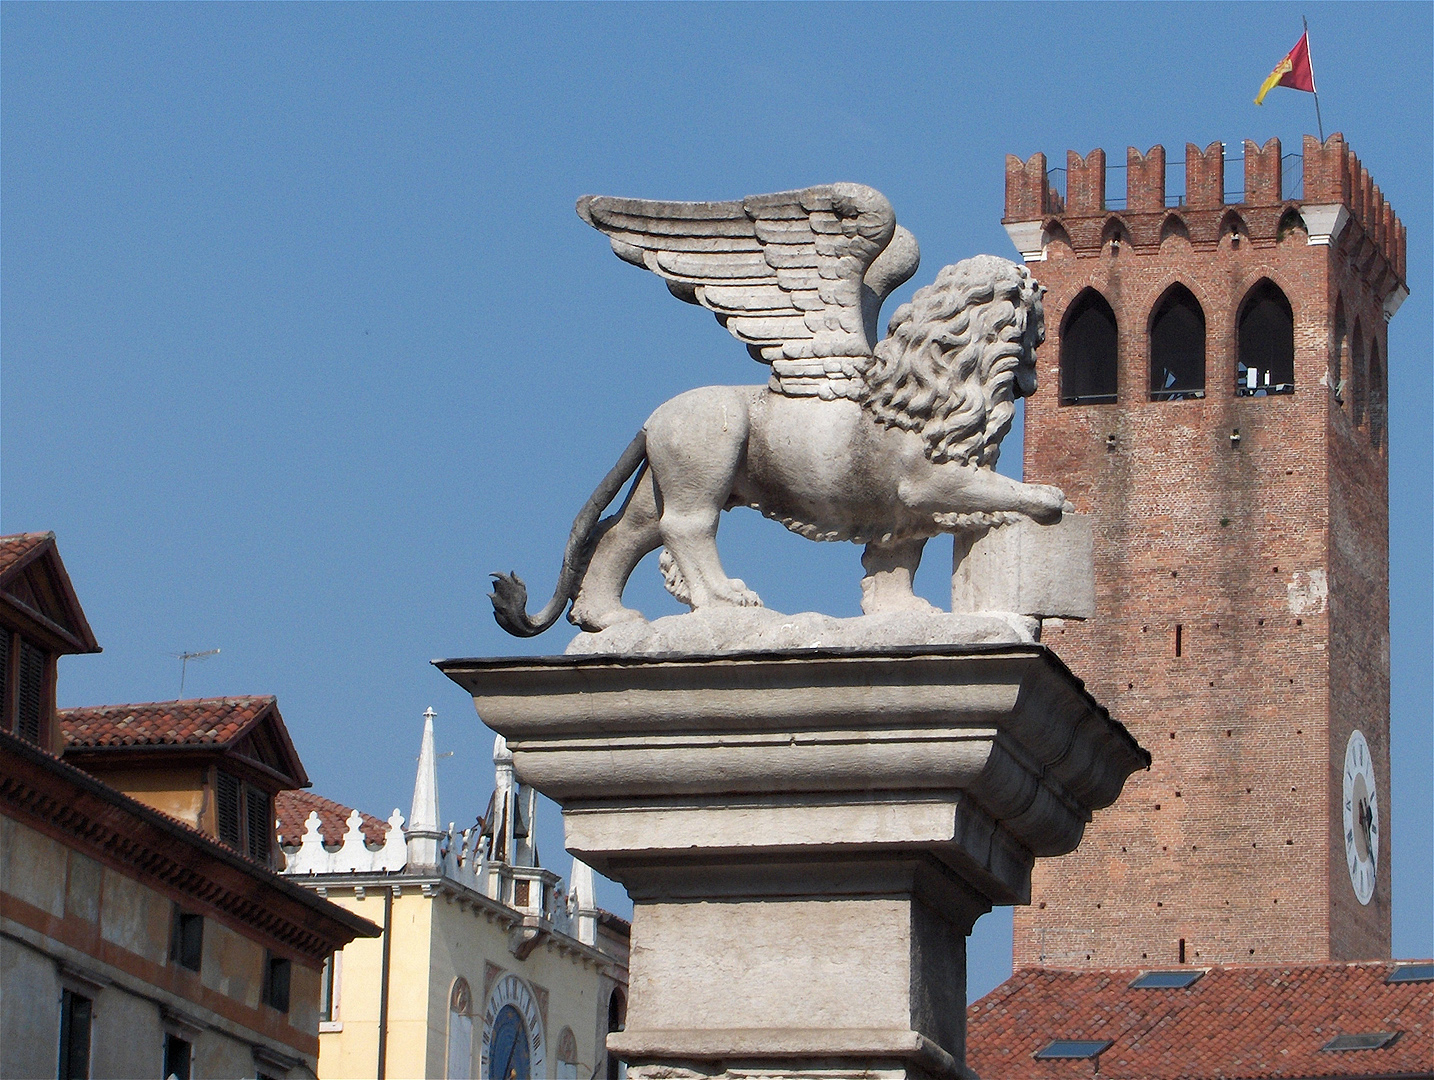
<point x="510" y="603"/>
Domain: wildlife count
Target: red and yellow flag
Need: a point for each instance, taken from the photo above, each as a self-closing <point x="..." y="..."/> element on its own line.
<point x="1293" y="71"/>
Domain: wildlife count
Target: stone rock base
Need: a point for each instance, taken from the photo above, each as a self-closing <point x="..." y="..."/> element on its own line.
<point x="718" y="631"/>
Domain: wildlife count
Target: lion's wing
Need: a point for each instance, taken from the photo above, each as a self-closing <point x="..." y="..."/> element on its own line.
<point x="787" y="274"/>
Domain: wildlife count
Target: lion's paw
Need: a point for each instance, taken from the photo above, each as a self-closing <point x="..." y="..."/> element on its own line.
<point x="734" y="593"/>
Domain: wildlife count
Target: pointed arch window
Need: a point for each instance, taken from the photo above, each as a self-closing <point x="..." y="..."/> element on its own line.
<point x="1339" y="357"/>
<point x="1358" y="372"/>
<point x="1089" y="345"/>
<point x="1266" y="361"/>
<point x="1177" y="347"/>
<point x="1378" y="408"/>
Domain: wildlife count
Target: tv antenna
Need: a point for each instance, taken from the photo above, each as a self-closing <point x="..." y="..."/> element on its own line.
<point x="185" y="657"/>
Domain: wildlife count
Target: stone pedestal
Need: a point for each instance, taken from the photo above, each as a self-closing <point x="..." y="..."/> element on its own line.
<point x="807" y="837"/>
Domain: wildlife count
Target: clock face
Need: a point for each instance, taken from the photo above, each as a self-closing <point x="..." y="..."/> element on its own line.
<point x="1361" y="817"/>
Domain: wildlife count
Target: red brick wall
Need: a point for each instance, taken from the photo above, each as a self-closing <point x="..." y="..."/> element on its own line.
<point x="1233" y="839"/>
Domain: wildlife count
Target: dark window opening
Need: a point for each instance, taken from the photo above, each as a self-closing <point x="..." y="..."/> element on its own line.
<point x="276" y="982"/>
<point x="1179" y="638"/>
<point x="177" y="1055"/>
<point x="1177" y="347"/>
<point x="4" y="679"/>
<point x="258" y="811"/>
<point x="1358" y="372"/>
<point x="30" y="706"/>
<point x="1089" y="345"/>
<point x="1182" y="940"/>
<point x="1266" y="363"/>
<point x="186" y="939"/>
<point x="1377" y="399"/>
<point x="326" y="988"/>
<point x="1167" y="980"/>
<point x="616" y="1019"/>
<point x="1338" y="365"/>
<point x="75" y="1015"/>
<point x="1072" y="1049"/>
<point x="1374" y="1040"/>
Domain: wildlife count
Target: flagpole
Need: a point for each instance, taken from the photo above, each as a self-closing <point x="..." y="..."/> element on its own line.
<point x="1313" y="85"/>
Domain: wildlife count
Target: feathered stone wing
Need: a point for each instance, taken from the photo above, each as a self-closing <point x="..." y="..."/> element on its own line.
<point x="798" y="276"/>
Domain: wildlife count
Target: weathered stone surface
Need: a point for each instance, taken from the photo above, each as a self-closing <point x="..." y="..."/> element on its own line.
<point x="827" y="822"/>
<point x="1042" y="571"/>
<point x="714" y="631"/>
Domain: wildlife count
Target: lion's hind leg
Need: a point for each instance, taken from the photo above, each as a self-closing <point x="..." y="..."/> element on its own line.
<point x="696" y="443"/>
<point x="630" y="535"/>
<point x="890" y="570"/>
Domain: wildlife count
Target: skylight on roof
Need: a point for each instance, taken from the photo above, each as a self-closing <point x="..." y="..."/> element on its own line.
<point x="1166" y="980"/>
<point x="1370" y="1041"/>
<point x="1071" y="1048"/>
<point x="1412" y="973"/>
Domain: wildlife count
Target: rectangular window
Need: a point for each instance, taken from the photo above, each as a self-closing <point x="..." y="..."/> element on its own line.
<point x="276" y="982"/>
<point x="186" y="939"/>
<point x="328" y="985"/>
<point x="259" y="818"/>
<point x="30" y="710"/>
<point x="226" y="801"/>
<point x="75" y="1015"/>
<point x="177" y="1054"/>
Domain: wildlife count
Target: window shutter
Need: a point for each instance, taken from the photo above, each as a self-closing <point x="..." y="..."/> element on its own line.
<point x="4" y="679"/>
<point x="32" y="678"/>
<point x="256" y="806"/>
<point x="227" y="803"/>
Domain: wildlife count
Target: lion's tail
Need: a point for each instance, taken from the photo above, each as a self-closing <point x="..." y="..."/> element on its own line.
<point x="510" y="595"/>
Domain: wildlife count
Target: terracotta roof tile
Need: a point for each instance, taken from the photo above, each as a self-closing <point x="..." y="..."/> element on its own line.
<point x="293" y="808"/>
<point x="207" y="722"/>
<point x="13" y="549"/>
<point x="1235" y="1023"/>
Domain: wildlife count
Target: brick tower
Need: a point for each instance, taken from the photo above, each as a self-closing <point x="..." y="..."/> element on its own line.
<point x="1213" y="393"/>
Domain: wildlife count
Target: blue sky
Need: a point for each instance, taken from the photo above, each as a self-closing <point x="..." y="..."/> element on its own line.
<point x="301" y="336"/>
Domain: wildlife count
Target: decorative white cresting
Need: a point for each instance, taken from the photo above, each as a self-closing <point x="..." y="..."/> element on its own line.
<point x="353" y="855"/>
<point x="423" y="833"/>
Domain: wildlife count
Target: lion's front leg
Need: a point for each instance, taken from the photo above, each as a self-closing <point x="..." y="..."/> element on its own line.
<point x="890" y="570"/>
<point x="971" y="489"/>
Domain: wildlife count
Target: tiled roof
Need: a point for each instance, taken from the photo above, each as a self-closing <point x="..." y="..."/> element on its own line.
<point x="293" y="807"/>
<point x="1235" y="1023"/>
<point x="206" y="721"/>
<point x="13" y="549"/>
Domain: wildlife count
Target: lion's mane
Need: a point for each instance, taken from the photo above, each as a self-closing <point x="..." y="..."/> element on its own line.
<point x="944" y="370"/>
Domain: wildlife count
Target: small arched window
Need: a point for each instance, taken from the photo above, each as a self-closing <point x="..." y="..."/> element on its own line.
<point x="1177" y="347"/>
<point x="1088" y="352"/>
<point x="1378" y="401"/>
<point x="460" y="1031"/>
<point x="567" y="1055"/>
<point x="1266" y="362"/>
<point x="1358" y="373"/>
<point x="616" y="1019"/>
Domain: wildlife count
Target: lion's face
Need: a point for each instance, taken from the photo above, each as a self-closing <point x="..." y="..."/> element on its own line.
<point x="956" y="358"/>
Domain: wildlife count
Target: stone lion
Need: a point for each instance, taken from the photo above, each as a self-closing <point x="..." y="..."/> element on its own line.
<point x="887" y="445"/>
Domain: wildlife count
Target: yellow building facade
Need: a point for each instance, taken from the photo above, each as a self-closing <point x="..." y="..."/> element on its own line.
<point x="488" y="965"/>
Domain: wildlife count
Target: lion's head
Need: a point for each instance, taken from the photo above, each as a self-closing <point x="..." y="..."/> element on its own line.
<point x="957" y="356"/>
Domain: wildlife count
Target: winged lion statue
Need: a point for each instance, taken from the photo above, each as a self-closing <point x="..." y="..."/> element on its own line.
<point x="884" y="442"/>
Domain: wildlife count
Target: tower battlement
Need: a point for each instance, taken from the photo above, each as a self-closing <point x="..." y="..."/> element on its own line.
<point x="1336" y="194"/>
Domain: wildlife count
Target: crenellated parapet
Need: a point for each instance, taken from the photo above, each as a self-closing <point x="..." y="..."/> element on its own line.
<point x="1338" y="204"/>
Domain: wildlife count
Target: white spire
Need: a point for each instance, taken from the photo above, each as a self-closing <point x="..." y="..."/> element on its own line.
<point x="423" y="833"/>
<point x="583" y="902"/>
